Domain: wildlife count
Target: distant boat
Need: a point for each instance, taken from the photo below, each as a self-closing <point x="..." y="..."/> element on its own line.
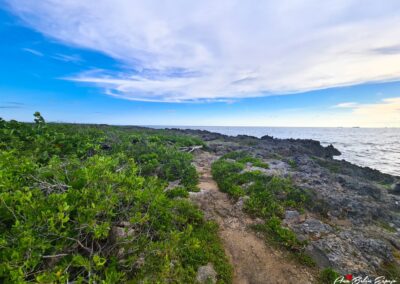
<point x="356" y="127"/>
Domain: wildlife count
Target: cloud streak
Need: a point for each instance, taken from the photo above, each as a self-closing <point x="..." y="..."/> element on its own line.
<point x="12" y="105"/>
<point x="190" y="51"/>
<point x="384" y="113"/>
<point x="68" y="58"/>
<point x="33" y="51"/>
<point x="346" y="105"/>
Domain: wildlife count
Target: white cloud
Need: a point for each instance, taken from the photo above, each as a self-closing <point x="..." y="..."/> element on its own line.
<point x="217" y="50"/>
<point x="346" y="105"/>
<point x="74" y="58"/>
<point x="385" y="113"/>
<point x="33" y="51"/>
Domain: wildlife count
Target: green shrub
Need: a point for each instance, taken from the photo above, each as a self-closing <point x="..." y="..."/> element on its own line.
<point x="236" y="155"/>
<point x="283" y="235"/>
<point x="243" y="158"/>
<point x="292" y="163"/>
<point x="224" y="174"/>
<point x="262" y="204"/>
<point x="304" y="259"/>
<point x="328" y="276"/>
<point x="254" y="161"/>
<point x="260" y="164"/>
<point x="66" y="190"/>
<point x="177" y="192"/>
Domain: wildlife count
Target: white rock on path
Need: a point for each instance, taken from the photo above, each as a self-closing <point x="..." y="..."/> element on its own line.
<point x="206" y="274"/>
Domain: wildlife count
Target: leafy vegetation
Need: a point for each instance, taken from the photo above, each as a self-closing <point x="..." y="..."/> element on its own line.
<point x="386" y="226"/>
<point x="292" y="163"/>
<point x="268" y="198"/>
<point x="243" y="158"/>
<point x="88" y="204"/>
<point x="328" y="276"/>
<point x="390" y="270"/>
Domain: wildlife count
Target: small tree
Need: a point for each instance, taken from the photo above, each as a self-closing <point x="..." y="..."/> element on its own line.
<point x="38" y="118"/>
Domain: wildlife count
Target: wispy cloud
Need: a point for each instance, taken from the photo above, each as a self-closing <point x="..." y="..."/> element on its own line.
<point x="228" y="49"/>
<point x="346" y="105"/>
<point x="383" y="113"/>
<point x="12" y="105"/>
<point x="74" y="58"/>
<point x="15" y="103"/>
<point x="33" y="51"/>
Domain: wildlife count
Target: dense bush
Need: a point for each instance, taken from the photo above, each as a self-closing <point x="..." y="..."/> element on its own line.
<point x="226" y="183"/>
<point x="88" y="204"/>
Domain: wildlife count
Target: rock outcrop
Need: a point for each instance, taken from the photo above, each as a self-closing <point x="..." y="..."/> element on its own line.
<point x="352" y="222"/>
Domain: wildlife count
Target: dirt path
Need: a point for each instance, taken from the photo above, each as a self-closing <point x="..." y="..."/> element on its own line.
<point x="253" y="261"/>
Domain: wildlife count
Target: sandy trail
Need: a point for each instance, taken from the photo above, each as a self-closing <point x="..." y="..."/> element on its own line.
<point x="253" y="261"/>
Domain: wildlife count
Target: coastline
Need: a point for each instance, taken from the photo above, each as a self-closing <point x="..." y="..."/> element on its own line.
<point x="352" y="222"/>
<point x="376" y="148"/>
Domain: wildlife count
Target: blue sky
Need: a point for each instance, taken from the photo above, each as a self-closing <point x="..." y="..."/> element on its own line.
<point x="188" y="63"/>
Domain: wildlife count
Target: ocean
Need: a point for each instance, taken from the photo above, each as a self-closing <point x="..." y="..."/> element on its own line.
<point x="377" y="148"/>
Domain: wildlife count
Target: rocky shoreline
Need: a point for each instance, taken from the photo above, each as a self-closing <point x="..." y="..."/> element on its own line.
<point x="352" y="223"/>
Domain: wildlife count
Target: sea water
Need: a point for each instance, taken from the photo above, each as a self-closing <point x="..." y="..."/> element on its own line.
<point x="377" y="148"/>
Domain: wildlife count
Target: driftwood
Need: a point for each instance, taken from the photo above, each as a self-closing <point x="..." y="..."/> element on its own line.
<point x="190" y="148"/>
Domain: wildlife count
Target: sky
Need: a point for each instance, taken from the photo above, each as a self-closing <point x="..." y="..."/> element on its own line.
<point x="223" y="63"/>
